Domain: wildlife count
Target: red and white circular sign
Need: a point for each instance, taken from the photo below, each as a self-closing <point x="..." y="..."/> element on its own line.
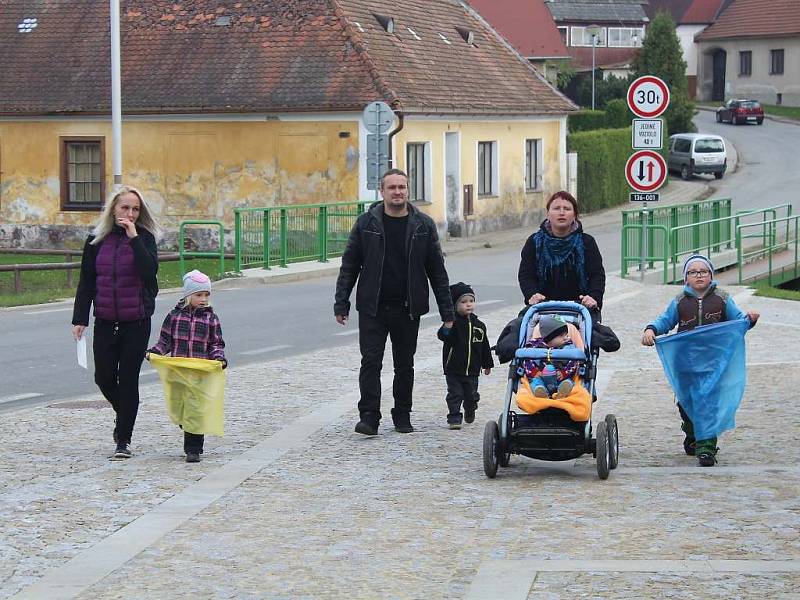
<point x="648" y="96"/>
<point x="646" y="171"/>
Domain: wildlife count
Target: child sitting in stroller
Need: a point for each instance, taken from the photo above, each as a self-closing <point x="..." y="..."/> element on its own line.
<point x="546" y="379"/>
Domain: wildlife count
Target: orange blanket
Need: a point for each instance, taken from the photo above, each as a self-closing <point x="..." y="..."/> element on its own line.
<point x="578" y="404"/>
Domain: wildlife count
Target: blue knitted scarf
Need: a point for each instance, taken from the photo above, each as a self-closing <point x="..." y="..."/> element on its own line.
<point x="552" y="252"/>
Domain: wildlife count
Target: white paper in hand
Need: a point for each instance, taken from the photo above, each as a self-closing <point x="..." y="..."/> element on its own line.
<point x="81" y="347"/>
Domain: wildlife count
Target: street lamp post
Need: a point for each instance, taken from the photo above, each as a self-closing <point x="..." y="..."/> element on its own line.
<point x="116" y="94"/>
<point x="594" y="39"/>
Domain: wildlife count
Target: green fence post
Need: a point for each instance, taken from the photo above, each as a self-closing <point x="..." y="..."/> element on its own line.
<point x="322" y="233"/>
<point x="624" y="250"/>
<point x="266" y="217"/>
<point x="695" y="230"/>
<point x="284" y="238"/>
<point x="715" y="230"/>
<point x="237" y="240"/>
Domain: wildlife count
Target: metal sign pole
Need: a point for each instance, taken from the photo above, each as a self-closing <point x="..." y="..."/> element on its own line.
<point x="643" y="258"/>
<point x="377" y="150"/>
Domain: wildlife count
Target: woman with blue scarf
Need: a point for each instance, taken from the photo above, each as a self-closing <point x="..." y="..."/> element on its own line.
<point x="560" y="262"/>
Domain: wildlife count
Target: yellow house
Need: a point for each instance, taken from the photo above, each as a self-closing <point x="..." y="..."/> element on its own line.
<point x="259" y="103"/>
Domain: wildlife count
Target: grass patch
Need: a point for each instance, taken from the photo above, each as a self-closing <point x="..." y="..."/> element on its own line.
<point x="39" y="287"/>
<point x="790" y="112"/>
<point x="779" y="293"/>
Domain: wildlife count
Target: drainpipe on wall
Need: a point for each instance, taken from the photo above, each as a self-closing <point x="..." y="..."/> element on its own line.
<point x="393" y="133"/>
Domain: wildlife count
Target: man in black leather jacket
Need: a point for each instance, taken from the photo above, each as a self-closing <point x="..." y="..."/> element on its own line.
<point x="393" y="251"/>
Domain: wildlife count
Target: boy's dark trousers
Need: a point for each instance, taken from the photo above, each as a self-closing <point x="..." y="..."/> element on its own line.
<point x="192" y="443"/>
<point x="394" y="321"/>
<point x="461" y="389"/>
<point x="119" y="349"/>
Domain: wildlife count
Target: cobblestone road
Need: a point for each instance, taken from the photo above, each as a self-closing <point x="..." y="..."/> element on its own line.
<point x="292" y="504"/>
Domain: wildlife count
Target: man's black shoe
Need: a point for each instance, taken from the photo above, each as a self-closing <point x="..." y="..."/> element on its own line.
<point x="368" y="425"/>
<point x="402" y="422"/>
<point x="192" y="457"/>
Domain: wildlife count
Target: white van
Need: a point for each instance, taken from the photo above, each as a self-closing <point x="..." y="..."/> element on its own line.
<point x="692" y="153"/>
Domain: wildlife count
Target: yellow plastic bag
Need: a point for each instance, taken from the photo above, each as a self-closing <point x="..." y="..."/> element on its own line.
<point x="194" y="389"/>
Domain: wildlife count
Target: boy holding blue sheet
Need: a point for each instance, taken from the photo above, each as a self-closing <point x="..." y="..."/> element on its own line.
<point x="700" y="303"/>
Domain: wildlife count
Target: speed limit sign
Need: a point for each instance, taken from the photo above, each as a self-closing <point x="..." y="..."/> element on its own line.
<point x="648" y="96"/>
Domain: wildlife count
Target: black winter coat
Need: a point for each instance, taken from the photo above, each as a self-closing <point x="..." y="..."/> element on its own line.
<point x="363" y="261"/>
<point x="466" y="347"/>
<point x="563" y="284"/>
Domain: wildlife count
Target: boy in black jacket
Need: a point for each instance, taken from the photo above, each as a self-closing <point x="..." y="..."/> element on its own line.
<point x="466" y="350"/>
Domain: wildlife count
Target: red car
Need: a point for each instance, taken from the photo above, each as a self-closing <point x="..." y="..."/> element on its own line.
<point x="741" y="111"/>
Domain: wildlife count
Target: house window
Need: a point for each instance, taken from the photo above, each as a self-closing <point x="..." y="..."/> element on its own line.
<point x="624" y="37"/>
<point x="776" y="62"/>
<point x="419" y="171"/>
<point x="82" y="173"/>
<point x="563" y="31"/>
<point x="487" y="168"/>
<point x="582" y="36"/>
<point x="745" y="62"/>
<point x="533" y="165"/>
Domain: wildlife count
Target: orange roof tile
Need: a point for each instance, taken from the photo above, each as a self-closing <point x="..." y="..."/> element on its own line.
<point x="755" y="18"/>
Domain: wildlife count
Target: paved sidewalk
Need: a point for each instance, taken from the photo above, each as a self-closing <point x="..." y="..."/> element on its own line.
<point x="292" y="504"/>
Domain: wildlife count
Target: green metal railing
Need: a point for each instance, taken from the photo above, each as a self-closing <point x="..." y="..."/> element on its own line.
<point x="710" y="236"/>
<point x="671" y="217"/>
<point x="778" y="236"/>
<point x="183" y="253"/>
<point x="277" y="236"/>
<point x="658" y="237"/>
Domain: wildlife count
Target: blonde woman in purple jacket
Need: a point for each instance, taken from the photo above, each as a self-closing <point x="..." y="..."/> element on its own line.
<point x="118" y="276"/>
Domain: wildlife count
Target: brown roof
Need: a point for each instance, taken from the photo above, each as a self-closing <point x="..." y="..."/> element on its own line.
<point x="755" y="18"/>
<point x="526" y="24"/>
<point x="262" y="56"/>
<point x="687" y="12"/>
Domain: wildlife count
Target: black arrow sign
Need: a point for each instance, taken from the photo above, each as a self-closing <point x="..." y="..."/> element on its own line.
<point x="641" y="175"/>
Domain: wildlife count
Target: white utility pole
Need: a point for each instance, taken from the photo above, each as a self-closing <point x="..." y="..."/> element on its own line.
<point x="116" y="95"/>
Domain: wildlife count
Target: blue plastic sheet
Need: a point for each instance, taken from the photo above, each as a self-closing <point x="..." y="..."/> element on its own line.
<point x="706" y="369"/>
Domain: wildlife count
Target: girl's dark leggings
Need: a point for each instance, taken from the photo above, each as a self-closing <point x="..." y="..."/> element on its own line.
<point x="119" y="349"/>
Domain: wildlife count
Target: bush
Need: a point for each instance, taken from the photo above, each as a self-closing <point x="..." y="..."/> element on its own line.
<point x="586" y="120"/>
<point x="602" y="155"/>
<point x="617" y="114"/>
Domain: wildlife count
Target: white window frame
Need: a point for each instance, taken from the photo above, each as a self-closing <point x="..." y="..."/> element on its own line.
<point x="537" y="164"/>
<point x="579" y="33"/>
<point x="566" y="37"/>
<point x="413" y="187"/>
<point x="630" y="32"/>
<point x="494" y="173"/>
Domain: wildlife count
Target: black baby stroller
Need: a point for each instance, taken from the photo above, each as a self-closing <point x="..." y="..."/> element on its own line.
<point x="558" y="428"/>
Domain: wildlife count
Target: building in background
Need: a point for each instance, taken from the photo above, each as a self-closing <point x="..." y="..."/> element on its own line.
<point x="259" y="103"/>
<point x="751" y="51"/>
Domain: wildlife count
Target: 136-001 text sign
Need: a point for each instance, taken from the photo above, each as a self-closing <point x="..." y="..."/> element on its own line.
<point x="637" y="197"/>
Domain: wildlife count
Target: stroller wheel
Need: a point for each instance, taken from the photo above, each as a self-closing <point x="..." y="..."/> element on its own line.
<point x="503" y="458"/>
<point x="613" y="441"/>
<point x="602" y="450"/>
<point x="491" y="441"/>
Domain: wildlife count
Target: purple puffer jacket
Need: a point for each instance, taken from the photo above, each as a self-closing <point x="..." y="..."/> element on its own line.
<point x="119" y="277"/>
<point x="119" y="288"/>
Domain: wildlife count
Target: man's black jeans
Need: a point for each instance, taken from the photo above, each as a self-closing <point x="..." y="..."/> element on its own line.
<point x="394" y="321"/>
<point x="119" y="349"/>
